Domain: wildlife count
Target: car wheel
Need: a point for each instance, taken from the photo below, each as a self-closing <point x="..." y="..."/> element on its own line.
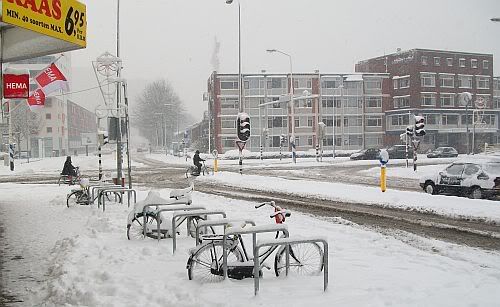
<point x="476" y="193"/>
<point x="430" y="188"/>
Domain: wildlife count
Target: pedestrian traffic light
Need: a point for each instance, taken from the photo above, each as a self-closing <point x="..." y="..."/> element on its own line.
<point x="243" y="126"/>
<point x="409" y="130"/>
<point x="282" y="139"/>
<point x="419" y="125"/>
<point x="103" y="138"/>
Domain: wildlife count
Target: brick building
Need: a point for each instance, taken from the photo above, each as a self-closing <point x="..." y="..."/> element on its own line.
<point x="349" y="104"/>
<point x="426" y="82"/>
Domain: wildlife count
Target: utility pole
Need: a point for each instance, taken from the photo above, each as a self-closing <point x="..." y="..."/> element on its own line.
<point x="119" y="157"/>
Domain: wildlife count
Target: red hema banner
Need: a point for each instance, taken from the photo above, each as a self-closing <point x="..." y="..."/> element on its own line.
<point x="51" y="79"/>
<point x="37" y="99"/>
<point x="16" y="83"/>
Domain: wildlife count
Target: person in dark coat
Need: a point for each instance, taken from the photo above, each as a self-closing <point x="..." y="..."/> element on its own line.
<point x="197" y="160"/>
<point x="68" y="169"/>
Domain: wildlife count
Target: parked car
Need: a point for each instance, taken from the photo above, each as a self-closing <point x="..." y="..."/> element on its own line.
<point x="366" y="154"/>
<point x="443" y="152"/>
<point x="477" y="178"/>
<point x="399" y="152"/>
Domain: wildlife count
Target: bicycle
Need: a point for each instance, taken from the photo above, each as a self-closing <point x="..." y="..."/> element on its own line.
<point x="192" y="171"/>
<point x="68" y="179"/>
<point x="135" y="229"/>
<point x="205" y="262"/>
<point x="82" y="195"/>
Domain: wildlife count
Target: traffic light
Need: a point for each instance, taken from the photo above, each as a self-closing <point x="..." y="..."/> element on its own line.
<point x="103" y="138"/>
<point x="243" y="126"/>
<point x="419" y="125"/>
<point x="409" y="131"/>
<point x="282" y="139"/>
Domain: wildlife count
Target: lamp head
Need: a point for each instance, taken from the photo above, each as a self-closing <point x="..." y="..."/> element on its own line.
<point x="271" y="50"/>
<point x="495" y="19"/>
<point x="229" y="1"/>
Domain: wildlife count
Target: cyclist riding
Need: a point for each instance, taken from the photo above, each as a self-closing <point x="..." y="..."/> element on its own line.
<point x="69" y="170"/>
<point x="197" y="160"/>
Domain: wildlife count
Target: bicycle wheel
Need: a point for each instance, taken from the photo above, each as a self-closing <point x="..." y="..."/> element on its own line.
<point x="135" y="230"/>
<point x="207" y="171"/>
<point x="305" y="259"/>
<point x="208" y="257"/>
<point x="192" y="227"/>
<point x="77" y="195"/>
<point x="189" y="172"/>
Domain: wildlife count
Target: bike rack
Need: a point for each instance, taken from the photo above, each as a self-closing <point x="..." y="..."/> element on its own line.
<point x="218" y="222"/>
<point x="287" y="242"/>
<point x="190" y="214"/>
<point x="254" y="230"/>
<point x="181" y="201"/>
<point x="114" y="189"/>
<point x="97" y="187"/>
<point x="170" y="209"/>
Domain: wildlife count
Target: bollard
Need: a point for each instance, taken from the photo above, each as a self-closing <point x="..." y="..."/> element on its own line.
<point x="261" y="152"/>
<point x="317" y="152"/>
<point x="383" y="182"/>
<point x="215" y="165"/>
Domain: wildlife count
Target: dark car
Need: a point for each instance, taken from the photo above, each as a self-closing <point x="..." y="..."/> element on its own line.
<point x="443" y="152"/>
<point x="399" y="152"/>
<point x="366" y="154"/>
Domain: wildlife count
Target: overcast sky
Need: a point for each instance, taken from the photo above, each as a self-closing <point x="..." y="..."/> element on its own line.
<point x="174" y="39"/>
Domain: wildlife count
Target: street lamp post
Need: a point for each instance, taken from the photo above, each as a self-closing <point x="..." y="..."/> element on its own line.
<point x="240" y="87"/>
<point x="291" y="100"/>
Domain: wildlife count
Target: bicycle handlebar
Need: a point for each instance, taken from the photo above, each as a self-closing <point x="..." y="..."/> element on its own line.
<point x="270" y="203"/>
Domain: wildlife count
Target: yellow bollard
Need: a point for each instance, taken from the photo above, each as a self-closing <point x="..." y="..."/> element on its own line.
<point x="215" y="166"/>
<point x="383" y="183"/>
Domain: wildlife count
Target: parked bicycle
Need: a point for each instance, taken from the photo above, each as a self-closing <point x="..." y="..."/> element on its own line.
<point x="193" y="171"/>
<point x="135" y="229"/>
<point x="205" y="262"/>
<point x="82" y="195"/>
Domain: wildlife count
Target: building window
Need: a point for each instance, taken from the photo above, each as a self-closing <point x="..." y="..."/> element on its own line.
<point x="327" y="102"/>
<point x="401" y="102"/>
<point x="228" y="123"/>
<point x="49" y="129"/>
<point x="428" y="80"/>
<point x="275" y="83"/>
<point x="309" y="121"/>
<point x="449" y="61"/>
<point x="486" y="64"/>
<point x="276" y="122"/>
<point x="436" y="61"/>
<point x="447" y="100"/>
<point x="395" y="83"/>
<point x="399" y="120"/>
<point x="329" y="84"/>
<point x="373" y="84"/>
<point x="461" y="62"/>
<point x="229" y="85"/>
<point x="483" y="82"/>
<point x="374" y="121"/>
<point x="404" y="82"/>
<point x="447" y="81"/>
<point x="304" y="103"/>
<point x="473" y="63"/>
<point x="309" y="140"/>
<point x="48" y="103"/>
<point x="428" y="99"/>
<point x="423" y="60"/>
<point x="464" y="81"/>
<point x="48" y="116"/>
<point x="373" y="102"/>
<point x="353" y="121"/>
<point x="229" y="103"/>
<point x="327" y="120"/>
<point x="297" y="122"/>
<point x="496" y="103"/>
<point x="431" y="119"/>
<point x="449" y="120"/>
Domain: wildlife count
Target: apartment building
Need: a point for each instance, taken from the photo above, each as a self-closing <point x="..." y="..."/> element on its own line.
<point x="428" y="83"/>
<point x="350" y="105"/>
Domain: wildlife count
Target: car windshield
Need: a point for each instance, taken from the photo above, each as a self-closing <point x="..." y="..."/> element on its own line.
<point x="492" y="168"/>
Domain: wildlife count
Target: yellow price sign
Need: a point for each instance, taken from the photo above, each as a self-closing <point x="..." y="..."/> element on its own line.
<point x="62" y="19"/>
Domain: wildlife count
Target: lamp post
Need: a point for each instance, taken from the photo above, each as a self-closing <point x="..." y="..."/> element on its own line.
<point x="240" y="87"/>
<point x="291" y="98"/>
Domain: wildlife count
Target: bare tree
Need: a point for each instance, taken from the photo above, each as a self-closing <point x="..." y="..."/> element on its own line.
<point x="25" y="123"/>
<point x="159" y="113"/>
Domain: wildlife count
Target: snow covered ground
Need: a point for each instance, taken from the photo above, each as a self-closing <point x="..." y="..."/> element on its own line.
<point x="54" y="165"/>
<point x="443" y="205"/>
<point x="91" y="262"/>
<point x="404" y="172"/>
